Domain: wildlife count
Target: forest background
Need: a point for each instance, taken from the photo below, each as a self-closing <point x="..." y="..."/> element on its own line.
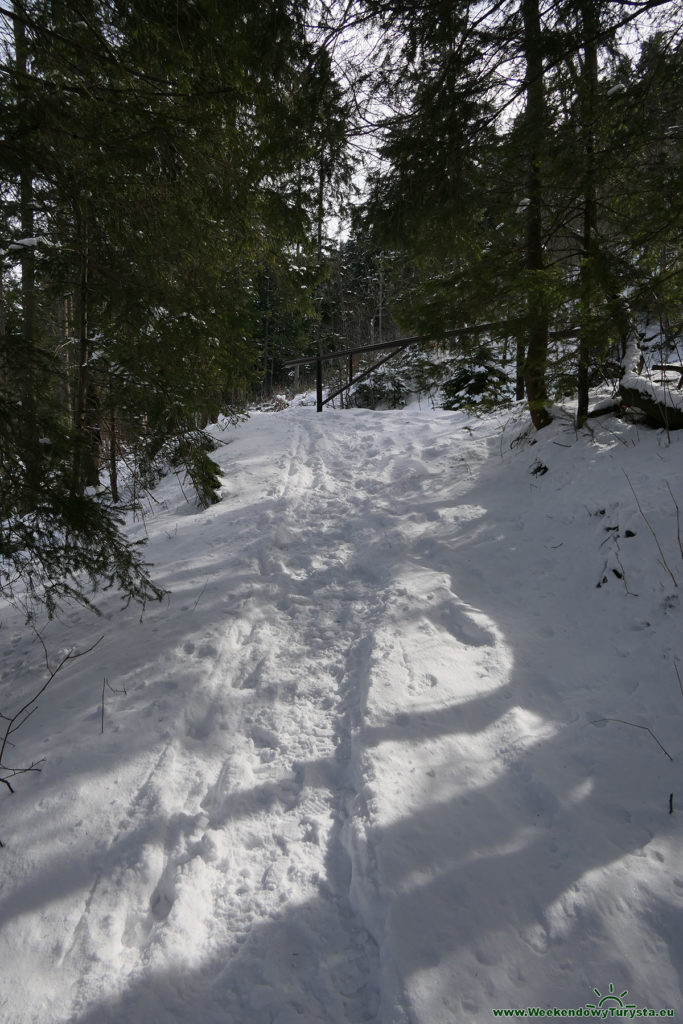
<point x="173" y="181"/>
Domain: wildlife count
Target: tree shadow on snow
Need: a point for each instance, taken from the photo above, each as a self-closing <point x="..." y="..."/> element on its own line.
<point x="488" y="873"/>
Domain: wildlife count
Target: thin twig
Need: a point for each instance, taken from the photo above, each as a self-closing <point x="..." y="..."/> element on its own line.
<point x="678" y="674"/>
<point x="678" y="518"/>
<point x="623" y="573"/>
<point x="27" y="710"/>
<point x="634" y="726"/>
<point x="181" y="487"/>
<point x="106" y="685"/>
<point x="33" y="767"/>
<point x="206" y="583"/>
<point x="649" y="526"/>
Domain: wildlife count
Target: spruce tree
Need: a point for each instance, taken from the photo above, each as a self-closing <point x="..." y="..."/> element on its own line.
<point x="545" y="231"/>
<point x="153" y="154"/>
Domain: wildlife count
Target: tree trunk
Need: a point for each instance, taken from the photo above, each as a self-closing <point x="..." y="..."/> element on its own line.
<point x="319" y="231"/>
<point x="519" y="369"/>
<point x="113" y="472"/>
<point x="63" y="319"/>
<point x="4" y="368"/>
<point x="86" y="465"/>
<point x="537" y="314"/>
<point x="29" y="428"/>
<point x="589" y="83"/>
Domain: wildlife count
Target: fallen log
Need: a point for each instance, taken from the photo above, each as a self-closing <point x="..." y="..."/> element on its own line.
<point x="674" y="368"/>
<point x="658" y="401"/>
<point x="659" y="412"/>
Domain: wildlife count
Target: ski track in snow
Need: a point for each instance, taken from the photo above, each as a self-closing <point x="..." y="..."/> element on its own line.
<point x="284" y="717"/>
<point x="340" y="762"/>
<point x="258" y="786"/>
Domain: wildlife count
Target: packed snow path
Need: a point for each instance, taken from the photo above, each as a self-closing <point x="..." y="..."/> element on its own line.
<point x="353" y="777"/>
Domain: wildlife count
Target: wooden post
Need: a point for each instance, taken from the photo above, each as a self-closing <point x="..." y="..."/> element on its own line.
<point x="319" y="383"/>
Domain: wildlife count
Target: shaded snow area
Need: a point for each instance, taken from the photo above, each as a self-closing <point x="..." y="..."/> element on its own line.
<point x="367" y="766"/>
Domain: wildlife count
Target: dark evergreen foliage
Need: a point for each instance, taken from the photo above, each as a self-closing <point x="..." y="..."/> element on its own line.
<point x="158" y="161"/>
<point x="531" y="176"/>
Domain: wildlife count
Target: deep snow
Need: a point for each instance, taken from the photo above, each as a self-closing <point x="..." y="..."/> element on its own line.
<point x="365" y="767"/>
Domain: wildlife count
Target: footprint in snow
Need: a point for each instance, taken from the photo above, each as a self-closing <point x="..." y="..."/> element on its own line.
<point x="161" y="901"/>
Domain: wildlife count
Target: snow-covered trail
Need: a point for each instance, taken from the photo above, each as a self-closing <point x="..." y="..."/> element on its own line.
<point x="249" y="916"/>
<point x="353" y="777"/>
<point x="225" y="890"/>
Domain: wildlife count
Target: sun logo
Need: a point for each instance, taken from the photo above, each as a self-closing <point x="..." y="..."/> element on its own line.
<point x="612" y="998"/>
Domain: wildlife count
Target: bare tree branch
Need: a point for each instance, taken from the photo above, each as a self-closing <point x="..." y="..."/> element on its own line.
<point x="16" y="720"/>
